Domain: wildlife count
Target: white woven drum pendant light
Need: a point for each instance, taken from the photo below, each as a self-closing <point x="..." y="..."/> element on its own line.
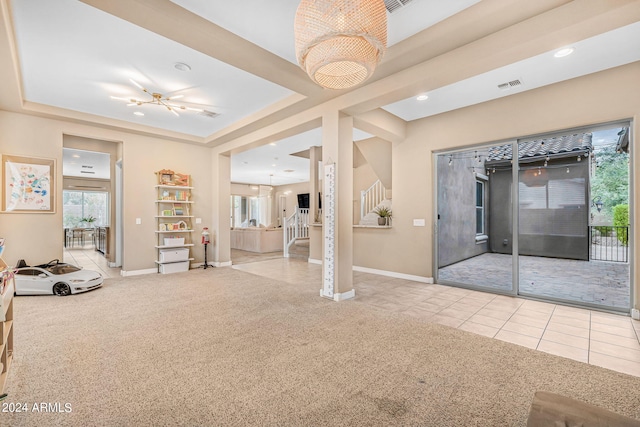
<point x="340" y="42"/>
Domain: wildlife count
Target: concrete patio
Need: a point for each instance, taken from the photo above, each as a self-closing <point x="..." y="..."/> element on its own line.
<point x="584" y="282"/>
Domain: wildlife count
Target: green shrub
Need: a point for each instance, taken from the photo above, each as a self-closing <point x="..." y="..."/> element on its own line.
<point x="604" y="230"/>
<point x="621" y="219"/>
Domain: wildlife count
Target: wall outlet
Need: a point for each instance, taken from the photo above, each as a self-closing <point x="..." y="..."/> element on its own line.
<point x="198" y="220"/>
<point x="138" y="221"/>
<point x="419" y="223"/>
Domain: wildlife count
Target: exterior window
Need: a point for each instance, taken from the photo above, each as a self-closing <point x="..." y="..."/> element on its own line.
<point x="479" y="207"/>
<point x="82" y="204"/>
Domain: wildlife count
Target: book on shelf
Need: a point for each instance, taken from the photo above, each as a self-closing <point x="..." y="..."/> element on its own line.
<point x="178" y="209"/>
<point x="182" y="195"/>
<point x="167" y="212"/>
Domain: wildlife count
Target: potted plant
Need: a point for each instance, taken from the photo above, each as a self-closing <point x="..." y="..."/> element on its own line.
<point x="88" y="220"/>
<point x="384" y="214"/>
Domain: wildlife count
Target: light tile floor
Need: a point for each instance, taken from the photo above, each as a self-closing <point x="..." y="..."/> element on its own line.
<point x="608" y="340"/>
<point x="88" y="258"/>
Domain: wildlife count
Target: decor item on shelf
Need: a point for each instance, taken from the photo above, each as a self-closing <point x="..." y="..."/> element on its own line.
<point x="165" y="177"/>
<point x="174" y="241"/>
<point x="181" y="179"/>
<point x="169" y="177"/>
<point x="178" y="210"/>
<point x="340" y="42"/>
<point x="159" y="100"/>
<point x="384" y="214"/>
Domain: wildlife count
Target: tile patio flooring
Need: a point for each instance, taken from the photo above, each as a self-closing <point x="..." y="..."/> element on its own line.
<point x="593" y="337"/>
<point x="595" y="282"/>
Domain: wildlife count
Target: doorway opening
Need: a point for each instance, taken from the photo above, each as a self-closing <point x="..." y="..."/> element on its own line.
<point x="91" y="203"/>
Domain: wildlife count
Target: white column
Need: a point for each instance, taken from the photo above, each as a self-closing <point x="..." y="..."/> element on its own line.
<point x="221" y="209"/>
<point x="337" y="148"/>
<point x="315" y="155"/>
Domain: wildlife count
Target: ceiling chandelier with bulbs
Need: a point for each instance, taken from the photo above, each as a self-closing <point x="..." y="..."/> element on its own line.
<point x="339" y="43"/>
<point x="157" y="99"/>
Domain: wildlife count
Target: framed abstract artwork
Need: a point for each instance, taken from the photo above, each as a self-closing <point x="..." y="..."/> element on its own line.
<point x="28" y="184"/>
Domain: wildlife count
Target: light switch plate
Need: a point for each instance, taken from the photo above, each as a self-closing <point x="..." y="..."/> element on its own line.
<point x="198" y="220"/>
<point x="138" y="220"/>
<point x="418" y="223"/>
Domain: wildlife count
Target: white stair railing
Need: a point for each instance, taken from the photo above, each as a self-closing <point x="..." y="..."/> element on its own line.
<point x="303" y="224"/>
<point x="371" y="198"/>
<point x="295" y="227"/>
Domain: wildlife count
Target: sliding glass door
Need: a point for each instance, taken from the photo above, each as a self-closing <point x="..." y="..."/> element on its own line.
<point x="572" y="246"/>
<point x="566" y="218"/>
<point x="474" y="244"/>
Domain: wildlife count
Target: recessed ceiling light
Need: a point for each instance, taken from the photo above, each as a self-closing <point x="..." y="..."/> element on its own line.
<point x="288" y="170"/>
<point x="273" y="165"/>
<point x="182" y="66"/>
<point x="564" y="52"/>
<point x="138" y="113"/>
<point x="422" y="97"/>
<point x="76" y="156"/>
<point x="273" y="143"/>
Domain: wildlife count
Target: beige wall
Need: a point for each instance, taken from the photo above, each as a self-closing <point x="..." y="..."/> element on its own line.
<point x="292" y="197"/>
<point x="39" y="237"/>
<point x="378" y="153"/>
<point x="598" y="98"/>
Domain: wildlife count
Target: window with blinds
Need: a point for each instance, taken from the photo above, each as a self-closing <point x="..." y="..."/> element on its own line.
<point x="556" y="208"/>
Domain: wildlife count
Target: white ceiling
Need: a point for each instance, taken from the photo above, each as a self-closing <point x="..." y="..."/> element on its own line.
<point x="614" y="48"/>
<point x="269" y="24"/>
<point x="74" y="56"/>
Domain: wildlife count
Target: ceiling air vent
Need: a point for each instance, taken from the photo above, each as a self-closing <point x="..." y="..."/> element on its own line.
<point x="89" y="172"/>
<point x="209" y="114"/>
<point x="509" y="85"/>
<point x="395" y="5"/>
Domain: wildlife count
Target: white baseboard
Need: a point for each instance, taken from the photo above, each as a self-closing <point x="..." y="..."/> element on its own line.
<point x="138" y="272"/>
<point x="220" y="264"/>
<point x="394" y="274"/>
<point x="341" y="297"/>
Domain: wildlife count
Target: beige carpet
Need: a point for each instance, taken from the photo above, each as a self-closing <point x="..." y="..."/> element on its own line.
<point x="224" y="347"/>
